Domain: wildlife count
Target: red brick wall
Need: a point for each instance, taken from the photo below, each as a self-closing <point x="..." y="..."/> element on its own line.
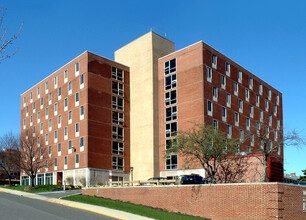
<point x="222" y="201"/>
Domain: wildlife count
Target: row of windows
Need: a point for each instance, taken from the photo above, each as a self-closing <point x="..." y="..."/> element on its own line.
<point x="56" y="84"/>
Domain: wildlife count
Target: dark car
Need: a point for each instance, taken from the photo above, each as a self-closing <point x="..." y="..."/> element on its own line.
<point x="192" y="179"/>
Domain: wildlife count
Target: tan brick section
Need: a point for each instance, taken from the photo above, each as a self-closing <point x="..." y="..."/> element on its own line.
<point x="221" y="201"/>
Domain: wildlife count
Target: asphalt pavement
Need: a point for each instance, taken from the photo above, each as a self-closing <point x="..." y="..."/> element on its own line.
<point x="27" y="206"/>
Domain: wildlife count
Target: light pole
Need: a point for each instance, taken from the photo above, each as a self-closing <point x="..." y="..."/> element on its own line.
<point x="132" y="169"/>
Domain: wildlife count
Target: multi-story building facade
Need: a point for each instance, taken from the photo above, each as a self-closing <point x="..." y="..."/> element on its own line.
<point x="81" y="111"/>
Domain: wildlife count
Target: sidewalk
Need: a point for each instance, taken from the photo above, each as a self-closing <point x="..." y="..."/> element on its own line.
<point x="92" y="208"/>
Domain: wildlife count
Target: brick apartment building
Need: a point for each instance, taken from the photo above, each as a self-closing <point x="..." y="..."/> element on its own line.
<point x="110" y="117"/>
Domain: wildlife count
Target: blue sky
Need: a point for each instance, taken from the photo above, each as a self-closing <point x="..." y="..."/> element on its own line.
<point x="266" y="37"/>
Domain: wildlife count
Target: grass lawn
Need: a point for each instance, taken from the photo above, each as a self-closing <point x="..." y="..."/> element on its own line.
<point x="40" y="188"/>
<point x="128" y="207"/>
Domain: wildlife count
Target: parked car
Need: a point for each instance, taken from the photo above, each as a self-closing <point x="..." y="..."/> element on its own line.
<point x="192" y="179"/>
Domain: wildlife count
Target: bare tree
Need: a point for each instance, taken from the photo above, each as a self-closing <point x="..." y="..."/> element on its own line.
<point x="34" y="155"/>
<point x="205" y="145"/>
<point x="9" y="154"/>
<point x="5" y="40"/>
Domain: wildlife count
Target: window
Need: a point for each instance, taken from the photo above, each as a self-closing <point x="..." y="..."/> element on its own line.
<point x="236" y="119"/>
<point x="278" y="124"/>
<point x="38" y="117"/>
<point x="66" y="133"/>
<point x="31" y="97"/>
<point x="70" y="146"/>
<point x="55" y="136"/>
<point x="278" y="149"/>
<point x="69" y="117"/>
<point x="228" y="69"/>
<point x="118" y="148"/>
<point x="261" y="116"/>
<point x="55" y="108"/>
<point x="260" y="89"/>
<point x="38" y="92"/>
<point x="252" y="140"/>
<point x="59" y="93"/>
<point x="41" y="103"/>
<point x="251" y="111"/>
<point x="77" y="69"/>
<point x="275" y="110"/>
<point x="171" y="162"/>
<point x="82" y="112"/>
<point x="59" y="121"/>
<point x="31" y="120"/>
<point x="239" y="76"/>
<point x="250" y="82"/>
<point x="249" y="150"/>
<point x="82" y="81"/>
<point x="171" y="129"/>
<point x="267" y="105"/>
<point x="55" y="82"/>
<point x="223" y="114"/>
<point x="55" y="163"/>
<point x="229" y="131"/>
<point x="270" y="120"/>
<point x="277" y="99"/>
<point x="65" y="76"/>
<point x="237" y="148"/>
<point x="270" y="145"/>
<point x="209" y="108"/>
<point x="118" y="88"/>
<point x="117" y="74"/>
<point x="46" y="165"/>
<point x="170" y="82"/>
<point x="257" y="100"/>
<point x="170" y="97"/>
<point x="66" y="104"/>
<point x="247" y="95"/>
<point x="117" y="163"/>
<point x="41" y="128"/>
<point x="69" y="88"/>
<point x="34" y="107"/>
<point x="171" y="143"/>
<point x="34" y="131"/>
<point x="77" y="99"/>
<point x="258" y="127"/>
<point x="50" y="151"/>
<point x="267" y="132"/>
<point x="59" y="149"/>
<point x="240" y="106"/>
<point x="214" y="61"/>
<point x="241" y="135"/>
<point x="228" y="100"/>
<point x="50" y="124"/>
<point x="118" y="118"/>
<point x="117" y="133"/>
<point x="248" y="124"/>
<point x="46" y="87"/>
<point x="209" y="74"/>
<point x="77" y="129"/>
<point x="171" y="113"/>
<point x="24" y="123"/>
<point x="50" y="98"/>
<point x="24" y="101"/>
<point x="27" y="111"/>
<point x="235" y="89"/>
<point x="82" y="144"/>
<point x="269" y="94"/>
<point x="170" y="66"/>
<point x="215" y="124"/>
<point x="47" y="113"/>
<point x="46" y="139"/>
<point x="215" y="94"/>
<point x="223" y="82"/>
<point x="77" y="160"/>
<point x="117" y="103"/>
<point x="65" y="162"/>
<point x="275" y="135"/>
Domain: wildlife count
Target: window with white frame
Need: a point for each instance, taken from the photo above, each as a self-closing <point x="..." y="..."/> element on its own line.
<point x="38" y="117"/>
<point x="117" y="163"/>
<point x="270" y="145"/>
<point x="46" y="87"/>
<point x="241" y="135"/>
<point x="223" y="82"/>
<point x="59" y="93"/>
<point x="55" y="136"/>
<point x="223" y="114"/>
<point x="171" y="162"/>
<point x="278" y="149"/>
<point x="208" y="74"/>
<point x="38" y="92"/>
<point x="209" y="108"/>
<point x="275" y="135"/>
<point x="247" y="95"/>
<point x="77" y="69"/>
<point x="170" y="82"/>
<point x="269" y="94"/>
<point x="117" y="133"/>
<point x="275" y="110"/>
<point x="41" y="128"/>
<point x="117" y="74"/>
<point x="31" y="120"/>
<point x="50" y="98"/>
<point x="70" y="146"/>
<point x="118" y="118"/>
<point x="82" y="144"/>
<point x="69" y="88"/>
<point x="250" y="83"/>
<point x="77" y="99"/>
<point x="27" y="111"/>
<point x="41" y="103"/>
<point x="267" y="131"/>
<point x="239" y="76"/>
<point x="170" y="97"/>
<point x="252" y="140"/>
<point x="55" y="82"/>
<point x="24" y="123"/>
<point x="50" y="124"/>
<point x="251" y="111"/>
<point x="261" y="116"/>
<point x="118" y="148"/>
<point x="34" y="107"/>
<point x="117" y="103"/>
<point x="257" y="100"/>
<point x="260" y="89"/>
<point x="82" y="112"/>
<point x="215" y="93"/>
<point x="38" y="141"/>
<point x="248" y="124"/>
<point x="65" y="162"/>
<point x="55" y="108"/>
<point x="24" y="101"/>
<point x="46" y="139"/>
<point x="66" y="133"/>
<point x="236" y="119"/>
<point x="235" y="89"/>
<point x="240" y="103"/>
<point x="46" y="113"/>
<point x="267" y="105"/>
<point x="171" y="113"/>
<point x="77" y="160"/>
<point x="65" y="76"/>
<point x="214" y="61"/>
<point x="69" y="117"/>
<point x="55" y="163"/>
<point x="65" y="104"/>
<point x="171" y="143"/>
<point x="228" y="69"/>
<point x="170" y="66"/>
<point x="77" y="129"/>
<point x="229" y="131"/>
<point x="277" y="99"/>
<point x="34" y="131"/>
<point x="117" y="88"/>
<point x="270" y="120"/>
<point x="171" y="129"/>
<point x="59" y="121"/>
<point x="82" y="81"/>
<point x="278" y="124"/>
<point x="215" y="124"/>
<point x="31" y="97"/>
<point x="228" y="100"/>
<point x="59" y="149"/>
<point x="258" y="127"/>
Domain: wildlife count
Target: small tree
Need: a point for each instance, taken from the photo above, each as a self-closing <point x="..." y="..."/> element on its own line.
<point x="5" y="40"/>
<point x="9" y="154"/>
<point x="205" y="145"/>
<point x="303" y="178"/>
<point x="33" y="155"/>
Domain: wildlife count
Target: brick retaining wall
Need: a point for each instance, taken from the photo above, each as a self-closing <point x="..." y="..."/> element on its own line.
<point x="221" y="201"/>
